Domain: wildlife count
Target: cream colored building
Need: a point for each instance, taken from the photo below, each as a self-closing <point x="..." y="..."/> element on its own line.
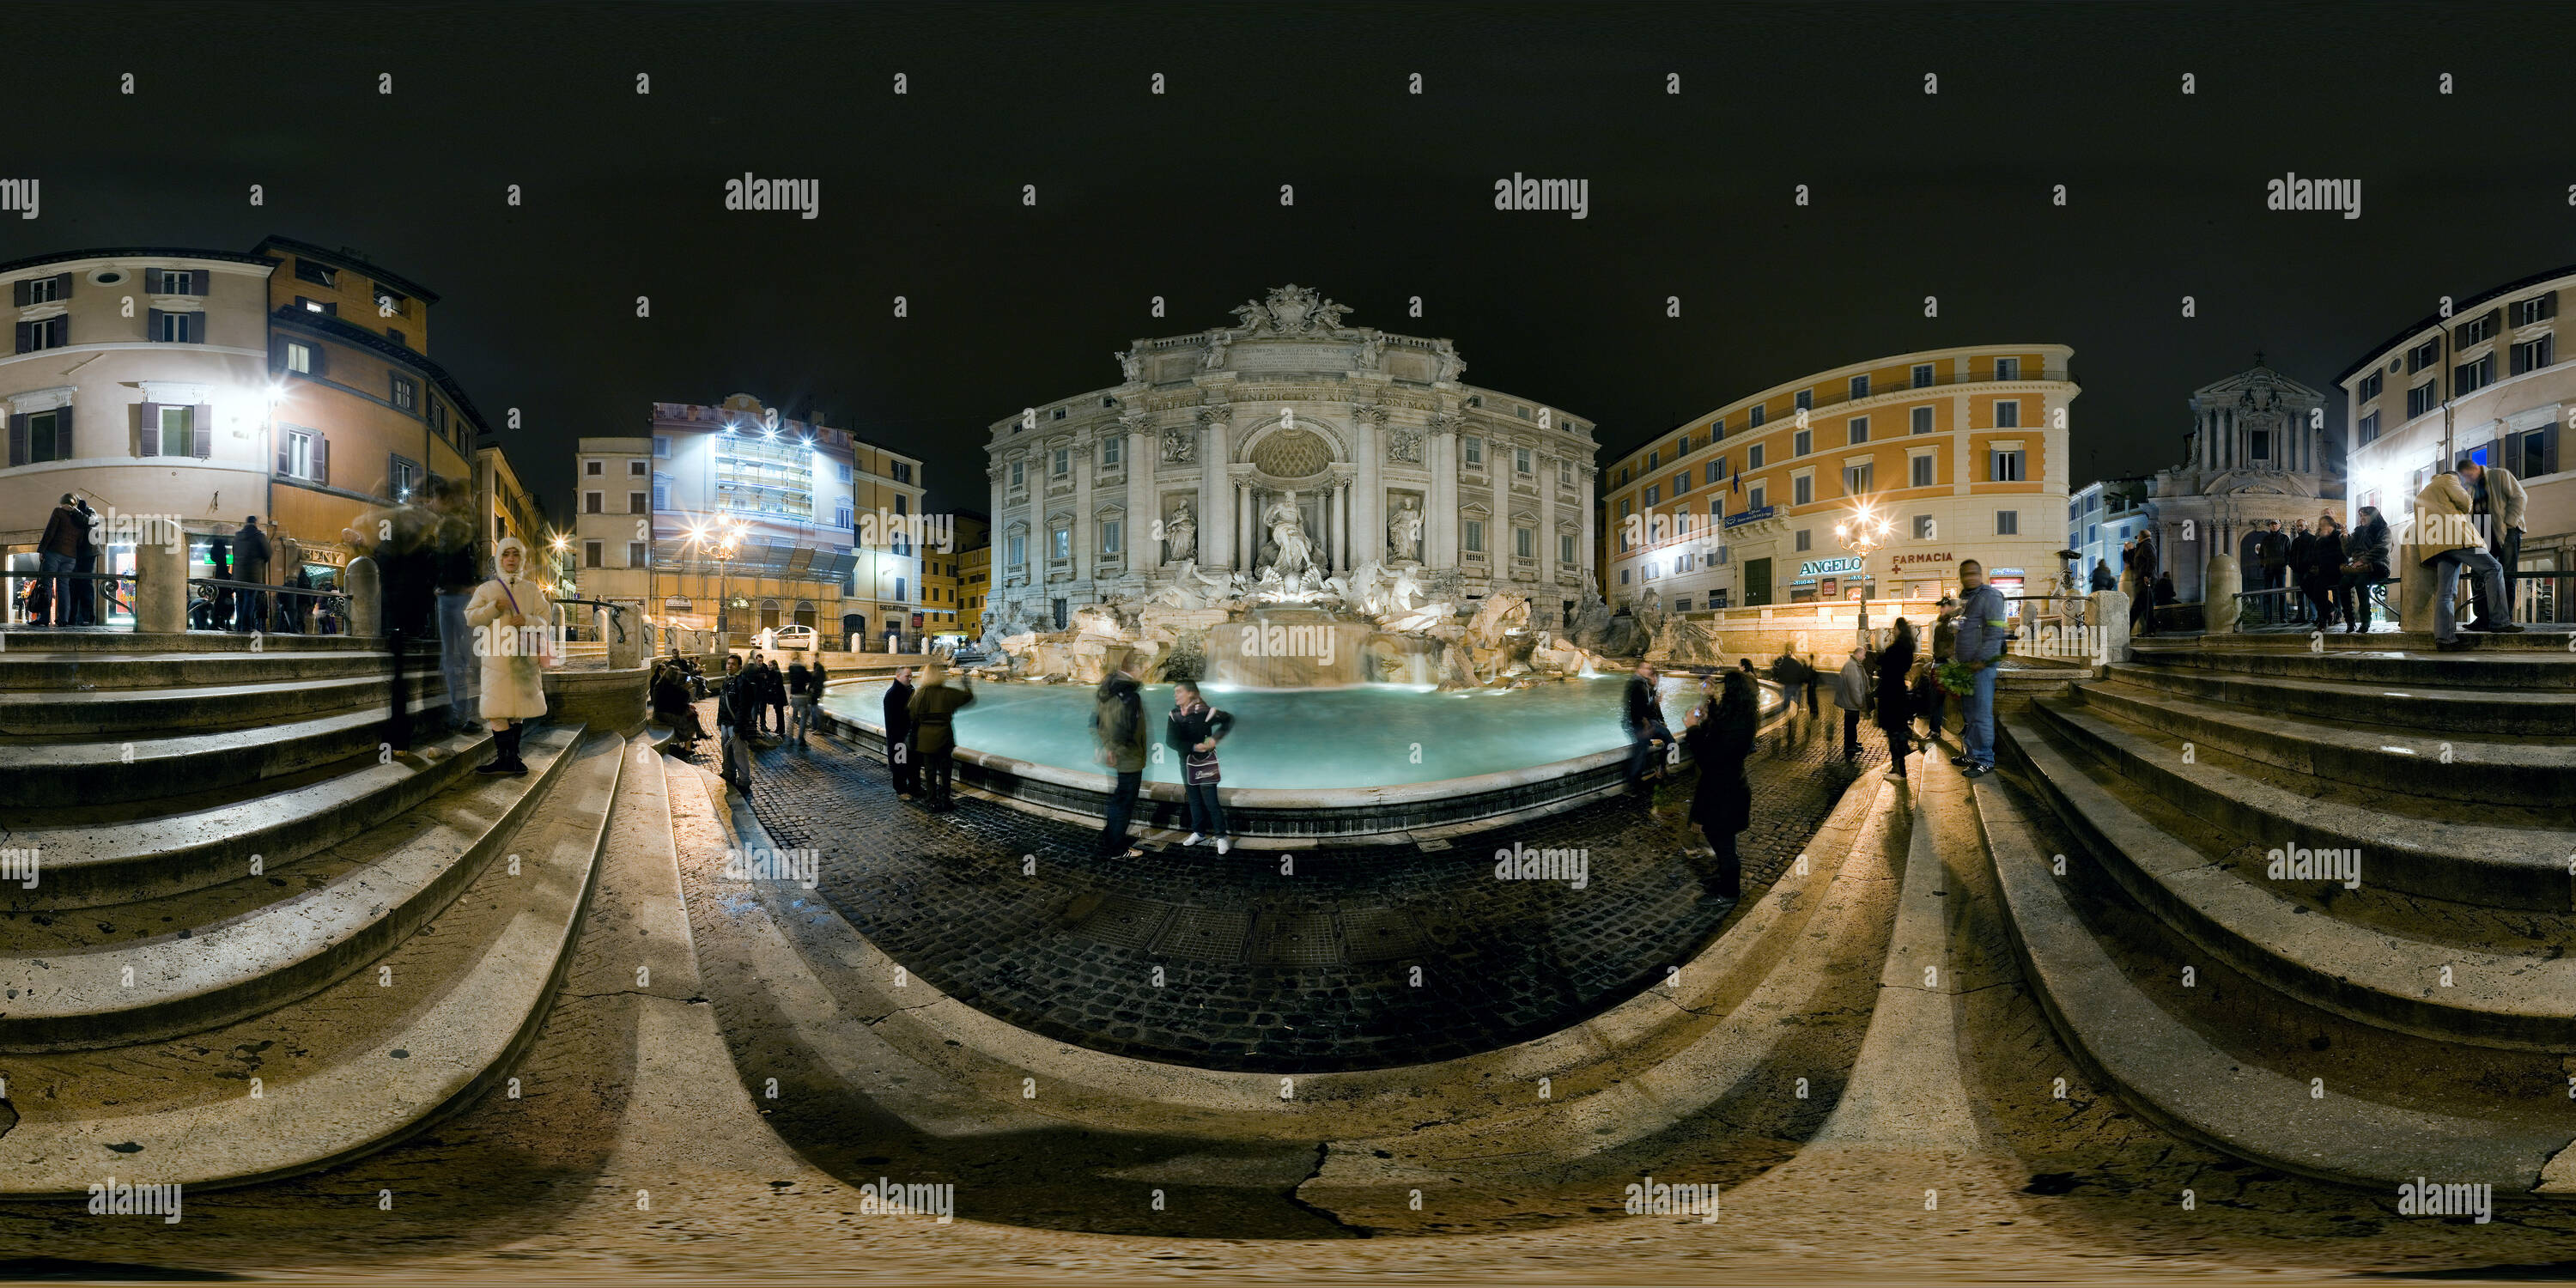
<point x="827" y="528"/>
<point x="1962" y="451"/>
<point x="1362" y="446"/>
<point x="2485" y="381"/>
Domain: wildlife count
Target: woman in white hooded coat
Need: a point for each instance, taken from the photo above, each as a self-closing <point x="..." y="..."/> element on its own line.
<point x="508" y="615"/>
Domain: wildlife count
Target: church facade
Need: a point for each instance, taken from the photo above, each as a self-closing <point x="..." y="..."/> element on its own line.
<point x="1276" y="454"/>
<point x="2257" y="451"/>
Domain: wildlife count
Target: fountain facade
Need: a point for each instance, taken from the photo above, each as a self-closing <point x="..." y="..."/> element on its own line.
<point x="1287" y="460"/>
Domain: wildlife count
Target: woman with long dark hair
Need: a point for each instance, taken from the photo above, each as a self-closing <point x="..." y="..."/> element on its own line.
<point x="1719" y="735"/>
<point x="1895" y="700"/>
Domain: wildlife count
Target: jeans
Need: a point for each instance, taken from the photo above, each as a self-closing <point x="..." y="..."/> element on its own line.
<point x="84" y="592"/>
<point x="456" y="657"/>
<point x="2488" y="588"/>
<point x="249" y="608"/>
<point x="1644" y="755"/>
<point x="804" y="708"/>
<point x="1725" y="878"/>
<point x="1122" y="806"/>
<point x="58" y="594"/>
<point x="933" y="773"/>
<point x="903" y="763"/>
<point x="1977" y="720"/>
<point x="1207" y="817"/>
<point x="2508" y="552"/>
<point x="1898" y="748"/>
<point x="2355" y="593"/>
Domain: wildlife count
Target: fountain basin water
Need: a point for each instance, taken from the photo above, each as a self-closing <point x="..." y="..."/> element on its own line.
<point x="1358" y="764"/>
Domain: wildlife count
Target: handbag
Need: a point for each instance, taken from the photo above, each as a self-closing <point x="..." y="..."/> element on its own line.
<point x="544" y="654"/>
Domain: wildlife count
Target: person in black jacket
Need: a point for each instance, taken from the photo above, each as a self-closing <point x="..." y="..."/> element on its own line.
<point x="2365" y="560"/>
<point x="1792" y="675"/>
<point x="898" y="735"/>
<point x="2142" y="608"/>
<point x="671" y="702"/>
<point x="85" y="593"/>
<point x="2103" y="578"/>
<point x="2321" y="573"/>
<point x="736" y="700"/>
<point x="1895" y="700"/>
<point x="1192" y="731"/>
<point x="1641" y="715"/>
<point x="1720" y="736"/>
<point x="777" y="695"/>
<point x="250" y="564"/>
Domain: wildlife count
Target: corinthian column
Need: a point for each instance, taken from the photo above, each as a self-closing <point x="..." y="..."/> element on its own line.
<point x="1144" y="553"/>
<point x="1216" y="494"/>
<point x="1368" y="502"/>
<point x="1440" y="526"/>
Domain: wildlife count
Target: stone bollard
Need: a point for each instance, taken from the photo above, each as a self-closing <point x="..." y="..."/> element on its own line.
<point x="2219" y="584"/>
<point x="626" y="641"/>
<point x="366" y="592"/>
<point x="2110" y="612"/>
<point x="2416" y="583"/>
<point x="161" y="587"/>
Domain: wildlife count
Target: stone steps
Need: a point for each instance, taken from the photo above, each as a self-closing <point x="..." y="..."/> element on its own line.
<point x="348" y="1069"/>
<point x="2470" y="863"/>
<point x="86" y="715"/>
<point x="2230" y="1063"/>
<point x="36" y="775"/>
<point x="2537" y="669"/>
<point x="2374" y="974"/>
<point x="2444" y="708"/>
<point x="227" y="960"/>
<point x="58" y="672"/>
<point x="89" y="863"/>
<point x="110" y="640"/>
<point x="2500" y="770"/>
<point x="2538" y="639"/>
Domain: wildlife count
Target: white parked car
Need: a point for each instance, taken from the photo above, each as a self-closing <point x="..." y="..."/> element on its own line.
<point x="793" y="637"/>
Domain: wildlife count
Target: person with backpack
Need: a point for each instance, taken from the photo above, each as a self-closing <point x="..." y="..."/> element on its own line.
<point x="1192" y="731"/>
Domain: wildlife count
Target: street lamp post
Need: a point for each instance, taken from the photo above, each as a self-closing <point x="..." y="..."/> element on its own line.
<point x="1865" y="531"/>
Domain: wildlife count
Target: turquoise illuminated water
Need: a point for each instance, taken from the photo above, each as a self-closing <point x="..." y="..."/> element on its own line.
<point x="1364" y="736"/>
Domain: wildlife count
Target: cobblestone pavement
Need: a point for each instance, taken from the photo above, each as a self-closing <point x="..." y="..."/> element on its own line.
<point x="1354" y="958"/>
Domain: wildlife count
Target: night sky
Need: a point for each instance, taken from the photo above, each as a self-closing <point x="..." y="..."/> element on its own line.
<point x="1177" y="195"/>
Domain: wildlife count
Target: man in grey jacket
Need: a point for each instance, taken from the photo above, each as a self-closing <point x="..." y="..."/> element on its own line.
<point x="1984" y="624"/>
<point x="2501" y="508"/>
